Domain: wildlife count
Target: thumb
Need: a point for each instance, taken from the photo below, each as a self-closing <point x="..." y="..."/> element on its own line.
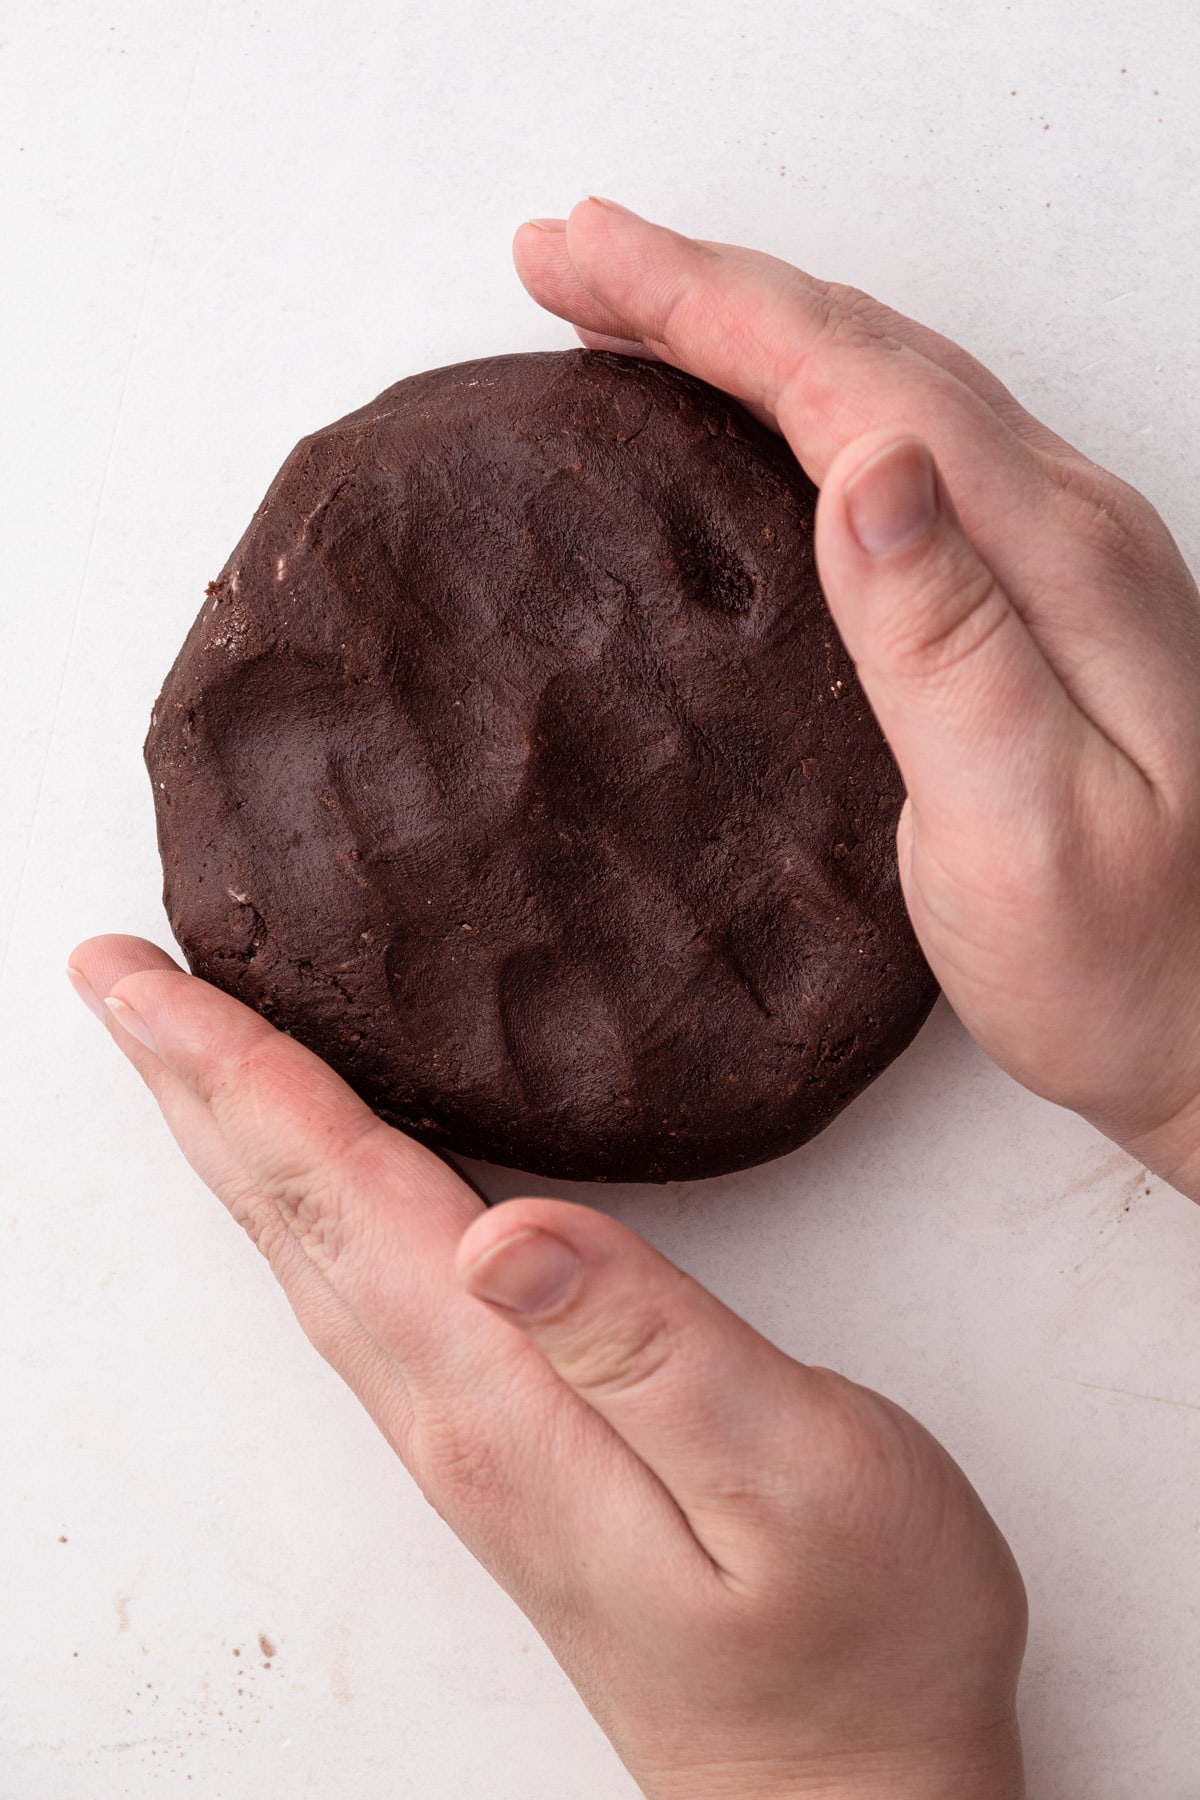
<point x="961" y="689"/>
<point x="693" y="1390"/>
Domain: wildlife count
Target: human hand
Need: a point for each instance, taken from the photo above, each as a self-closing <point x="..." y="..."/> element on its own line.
<point x="763" y="1579"/>
<point x="1026" y="631"/>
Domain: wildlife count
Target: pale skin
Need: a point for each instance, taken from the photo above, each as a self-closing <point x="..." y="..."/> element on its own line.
<point x="764" y="1579"/>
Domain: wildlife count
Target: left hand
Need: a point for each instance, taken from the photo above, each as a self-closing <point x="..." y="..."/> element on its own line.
<point x="763" y="1579"/>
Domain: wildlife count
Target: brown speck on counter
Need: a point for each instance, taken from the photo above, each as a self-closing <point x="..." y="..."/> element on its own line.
<point x="237" y="1653"/>
<point x="265" y="1644"/>
<point x="62" y="1540"/>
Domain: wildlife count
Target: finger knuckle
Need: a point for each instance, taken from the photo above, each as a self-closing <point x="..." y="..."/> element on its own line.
<point x="315" y="1200"/>
<point x="851" y="314"/>
<point x="262" y="1223"/>
<point x="626" y="1354"/>
<point x="306" y="1184"/>
<point x="944" y="621"/>
<point x="1116" y="521"/>
<point x="831" y="316"/>
<point x="455" y="1463"/>
<point x="305" y="1213"/>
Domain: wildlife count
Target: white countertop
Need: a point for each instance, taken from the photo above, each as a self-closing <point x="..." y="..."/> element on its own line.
<point x="228" y="226"/>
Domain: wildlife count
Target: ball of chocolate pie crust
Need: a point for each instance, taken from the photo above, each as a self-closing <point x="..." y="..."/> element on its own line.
<point x="514" y="765"/>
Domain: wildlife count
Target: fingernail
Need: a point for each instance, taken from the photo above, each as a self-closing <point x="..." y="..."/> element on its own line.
<point x="547" y="224"/>
<point x="614" y="206"/>
<point x="86" y="992"/>
<point x="893" y="499"/>
<point x="528" y="1273"/>
<point x="132" y="1022"/>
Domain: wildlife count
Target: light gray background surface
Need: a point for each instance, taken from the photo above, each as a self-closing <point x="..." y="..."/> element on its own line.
<point x="223" y="227"/>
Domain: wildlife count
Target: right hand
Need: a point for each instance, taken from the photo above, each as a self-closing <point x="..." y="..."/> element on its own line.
<point x="764" y="1579"/>
<point x="1026" y="631"/>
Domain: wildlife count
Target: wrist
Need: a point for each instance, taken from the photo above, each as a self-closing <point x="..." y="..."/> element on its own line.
<point x="988" y="1767"/>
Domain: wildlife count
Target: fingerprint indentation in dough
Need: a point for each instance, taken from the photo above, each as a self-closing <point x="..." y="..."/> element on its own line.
<point x="561" y="1035"/>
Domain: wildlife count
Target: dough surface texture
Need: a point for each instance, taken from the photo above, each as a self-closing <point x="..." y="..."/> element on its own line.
<point x="515" y="765"/>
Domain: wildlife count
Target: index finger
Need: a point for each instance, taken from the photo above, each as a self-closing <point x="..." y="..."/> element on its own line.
<point x="361" y="1225"/>
<point x="826" y="364"/>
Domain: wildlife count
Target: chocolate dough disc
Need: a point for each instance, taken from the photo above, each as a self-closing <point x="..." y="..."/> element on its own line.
<point x="514" y="764"/>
